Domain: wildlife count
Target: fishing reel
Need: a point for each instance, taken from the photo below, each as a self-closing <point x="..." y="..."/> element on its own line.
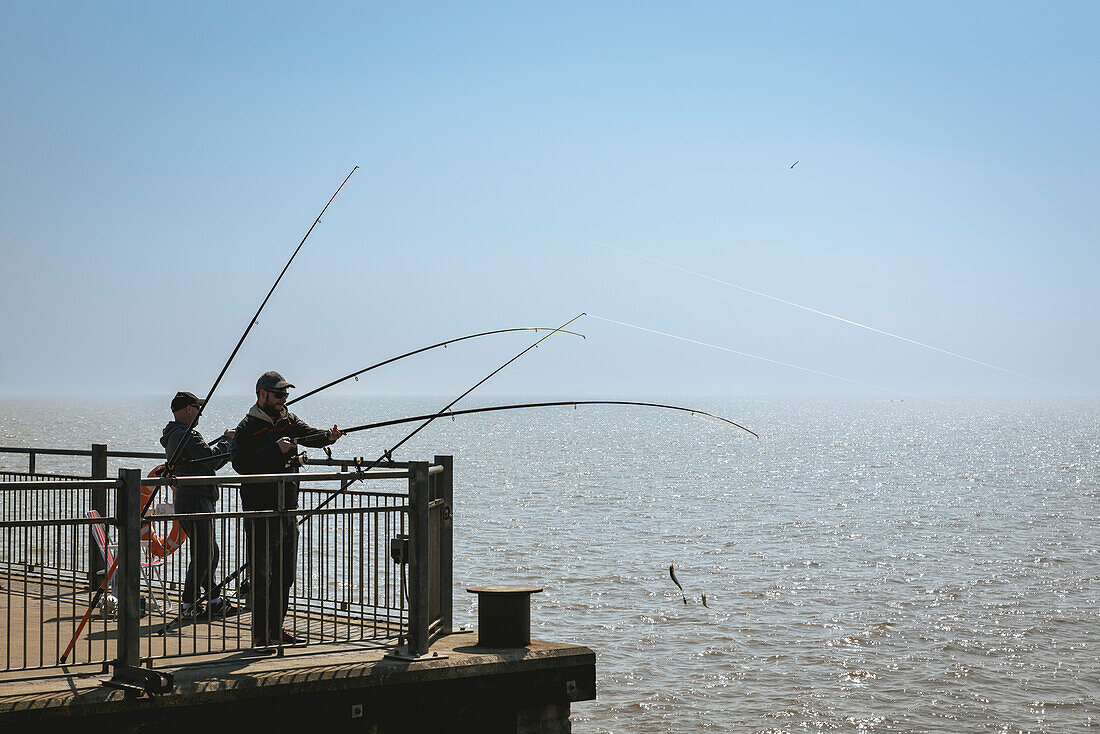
<point x="302" y="458"/>
<point x="108" y="605"/>
<point x="297" y="459"/>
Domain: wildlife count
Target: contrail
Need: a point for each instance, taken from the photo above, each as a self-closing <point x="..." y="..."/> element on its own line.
<point x="841" y="319"/>
<point x="750" y="356"/>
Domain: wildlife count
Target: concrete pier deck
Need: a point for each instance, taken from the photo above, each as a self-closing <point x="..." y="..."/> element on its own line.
<point x="459" y="686"/>
<point x="40" y="614"/>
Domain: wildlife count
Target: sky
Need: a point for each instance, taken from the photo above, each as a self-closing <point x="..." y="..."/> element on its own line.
<point x="522" y="163"/>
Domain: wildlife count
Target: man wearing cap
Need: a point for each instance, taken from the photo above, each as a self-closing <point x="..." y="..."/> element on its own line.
<point x="194" y="460"/>
<point x="263" y="444"/>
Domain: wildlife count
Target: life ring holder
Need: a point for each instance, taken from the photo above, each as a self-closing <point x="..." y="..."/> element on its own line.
<point x="169" y="544"/>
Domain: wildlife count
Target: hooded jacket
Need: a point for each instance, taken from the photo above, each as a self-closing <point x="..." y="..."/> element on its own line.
<point x="255" y="450"/>
<point x="190" y="462"/>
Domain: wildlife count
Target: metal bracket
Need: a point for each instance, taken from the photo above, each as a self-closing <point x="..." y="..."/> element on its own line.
<point x="399" y="549"/>
<point x="140" y="680"/>
<point x="403" y="655"/>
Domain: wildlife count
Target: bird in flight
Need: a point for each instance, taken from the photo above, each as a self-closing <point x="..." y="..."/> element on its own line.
<point x="794" y="164"/>
<point x="705" y="600"/>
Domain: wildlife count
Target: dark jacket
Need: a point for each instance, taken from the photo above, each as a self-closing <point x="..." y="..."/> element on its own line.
<point x="190" y="462"/>
<point x="255" y="451"/>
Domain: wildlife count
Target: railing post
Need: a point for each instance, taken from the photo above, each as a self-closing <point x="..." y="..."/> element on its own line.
<point x="419" y="494"/>
<point x="128" y="676"/>
<point x="445" y="484"/>
<point x="96" y="564"/>
<point x="128" y="520"/>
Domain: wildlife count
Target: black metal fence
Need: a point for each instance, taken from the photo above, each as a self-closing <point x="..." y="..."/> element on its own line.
<point x="373" y="562"/>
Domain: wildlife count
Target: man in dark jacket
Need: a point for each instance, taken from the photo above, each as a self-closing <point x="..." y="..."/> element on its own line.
<point x="194" y="460"/>
<point x="263" y="444"/>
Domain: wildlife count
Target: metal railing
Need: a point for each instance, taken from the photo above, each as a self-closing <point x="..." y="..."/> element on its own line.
<point x="373" y="565"/>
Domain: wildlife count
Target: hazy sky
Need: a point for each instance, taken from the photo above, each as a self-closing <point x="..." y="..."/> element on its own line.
<point x="161" y="162"/>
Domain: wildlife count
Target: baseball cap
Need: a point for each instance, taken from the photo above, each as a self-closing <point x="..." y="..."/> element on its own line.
<point x="183" y="399"/>
<point x="272" y="381"/>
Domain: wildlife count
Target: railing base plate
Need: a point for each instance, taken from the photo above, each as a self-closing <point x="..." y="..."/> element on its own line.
<point x="140" y="680"/>
<point x="406" y="656"/>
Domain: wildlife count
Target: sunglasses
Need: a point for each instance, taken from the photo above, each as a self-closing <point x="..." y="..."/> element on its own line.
<point x="279" y="393"/>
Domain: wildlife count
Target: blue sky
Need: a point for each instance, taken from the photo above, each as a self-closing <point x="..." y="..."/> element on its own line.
<point x="162" y="162"/>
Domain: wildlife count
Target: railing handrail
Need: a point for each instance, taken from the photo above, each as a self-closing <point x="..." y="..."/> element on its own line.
<point x="234" y="514"/>
<point x="81" y="452"/>
<point x="220" y="479"/>
<point x="160" y="456"/>
<point x="269" y="478"/>
<point x="62" y="484"/>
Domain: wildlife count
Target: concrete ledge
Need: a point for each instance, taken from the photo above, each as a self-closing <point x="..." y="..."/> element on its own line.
<point x="465" y="688"/>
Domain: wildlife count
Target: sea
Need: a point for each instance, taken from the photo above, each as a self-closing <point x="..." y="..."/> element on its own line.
<point x="901" y="566"/>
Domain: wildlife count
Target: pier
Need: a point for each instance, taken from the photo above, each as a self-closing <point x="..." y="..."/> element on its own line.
<point x="371" y="608"/>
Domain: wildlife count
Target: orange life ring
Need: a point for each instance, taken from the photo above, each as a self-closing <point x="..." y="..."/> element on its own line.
<point x="158" y="546"/>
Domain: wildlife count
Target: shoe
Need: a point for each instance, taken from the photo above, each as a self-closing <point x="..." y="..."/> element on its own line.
<point x="221" y="608"/>
<point x="260" y="642"/>
<point x="191" y="611"/>
<point x="287" y="638"/>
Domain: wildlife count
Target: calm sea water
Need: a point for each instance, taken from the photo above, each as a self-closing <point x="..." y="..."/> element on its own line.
<point x="886" y="566"/>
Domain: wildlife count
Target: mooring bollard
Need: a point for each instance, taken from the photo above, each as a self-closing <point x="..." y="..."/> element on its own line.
<point x="504" y="614"/>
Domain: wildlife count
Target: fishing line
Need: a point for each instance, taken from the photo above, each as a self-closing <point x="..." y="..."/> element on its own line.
<point x="826" y="314"/>
<point x="751" y="356"/>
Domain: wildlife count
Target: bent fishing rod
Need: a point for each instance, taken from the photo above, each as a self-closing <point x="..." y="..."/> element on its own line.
<point x="553" y="404"/>
<point x="428" y="419"/>
<point x="219" y="457"/>
<point x="356" y="374"/>
<point x="170" y="465"/>
<point x="361" y="472"/>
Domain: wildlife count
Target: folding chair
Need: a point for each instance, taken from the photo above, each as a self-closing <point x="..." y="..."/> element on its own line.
<point x="109" y="603"/>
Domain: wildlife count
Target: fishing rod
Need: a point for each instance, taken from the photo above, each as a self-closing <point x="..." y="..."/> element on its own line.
<point x="170" y="465"/>
<point x="217" y="457"/>
<point x="361" y="472"/>
<point x="428" y="419"/>
<point x="425" y="349"/>
<point x="553" y="404"/>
